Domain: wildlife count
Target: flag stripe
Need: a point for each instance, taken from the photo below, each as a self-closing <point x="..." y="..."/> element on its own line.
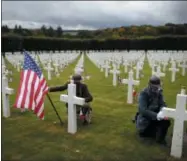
<point x="41" y="109"/>
<point x="29" y="86"/>
<point x="19" y="90"/>
<point x="22" y="90"/>
<point x="31" y="102"/>
<point x="35" y="88"/>
<point x="26" y="91"/>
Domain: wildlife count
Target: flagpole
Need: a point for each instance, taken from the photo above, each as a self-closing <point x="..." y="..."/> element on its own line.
<point x="54" y="109"/>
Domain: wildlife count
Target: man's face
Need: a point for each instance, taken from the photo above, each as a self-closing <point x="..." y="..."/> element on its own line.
<point x="77" y="81"/>
<point x="155" y="88"/>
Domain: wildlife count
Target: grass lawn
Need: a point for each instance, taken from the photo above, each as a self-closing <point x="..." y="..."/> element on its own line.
<point x="111" y="137"/>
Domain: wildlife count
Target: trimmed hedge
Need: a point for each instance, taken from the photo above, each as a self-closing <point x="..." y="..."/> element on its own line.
<point x="12" y="44"/>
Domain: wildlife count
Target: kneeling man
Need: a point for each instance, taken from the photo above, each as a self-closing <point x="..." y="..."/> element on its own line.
<point x="150" y="121"/>
<point x="81" y="91"/>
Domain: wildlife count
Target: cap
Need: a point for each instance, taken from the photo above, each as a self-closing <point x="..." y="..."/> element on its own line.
<point x="154" y="80"/>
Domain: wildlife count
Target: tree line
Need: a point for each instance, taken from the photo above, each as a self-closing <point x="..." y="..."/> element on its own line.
<point x="42" y="32"/>
<point x="168" y="37"/>
<point x="13" y="44"/>
<point x="123" y="32"/>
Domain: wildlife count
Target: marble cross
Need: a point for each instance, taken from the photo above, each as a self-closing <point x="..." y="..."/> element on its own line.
<point x="125" y="64"/>
<point x="6" y="91"/>
<point x="179" y="115"/>
<point x="115" y="72"/>
<point x="184" y="67"/>
<point x="49" y="70"/>
<point x="173" y="69"/>
<point x="158" y="73"/>
<point x="131" y="82"/>
<point x="106" y="69"/>
<point x="72" y="101"/>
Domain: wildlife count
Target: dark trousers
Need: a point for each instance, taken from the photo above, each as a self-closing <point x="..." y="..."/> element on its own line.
<point x="85" y="109"/>
<point x="157" y="130"/>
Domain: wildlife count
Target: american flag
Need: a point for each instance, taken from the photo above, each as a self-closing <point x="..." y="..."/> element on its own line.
<point x="32" y="87"/>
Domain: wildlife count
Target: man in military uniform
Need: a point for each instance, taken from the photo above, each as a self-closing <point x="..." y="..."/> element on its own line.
<point x="150" y="121"/>
<point x="81" y="91"/>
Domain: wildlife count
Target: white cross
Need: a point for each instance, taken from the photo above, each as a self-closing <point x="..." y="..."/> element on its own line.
<point x="72" y="101"/>
<point x="118" y="65"/>
<point x="3" y="69"/>
<point x="138" y="68"/>
<point x="56" y="66"/>
<point x="49" y="69"/>
<point x="101" y="67"/>
<point x="125" y="64"/>
<point x="79" y="70"/>
<point x="131" y="82"/>
<point x="18" y="66"/>
<point x="36" y="60"/>
<point x="6" y="73"/>
<point x="62" y="66"/>
<point x="6" y="91"/>
<point x="173" y="69"/>
<point x="158" y="73"/>
<point x="164" y="66"/>
<point x="106" y="69"/>
<point x="179" y="115"/>
<point x="183" y="66"/>
<point x="115" y="72"/>
<point x="3" y="61"/>
<point x="153" y="66"/>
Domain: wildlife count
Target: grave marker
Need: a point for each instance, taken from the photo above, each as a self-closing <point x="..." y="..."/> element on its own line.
<point x="179" y="115"/>
<point x="72" y="101"/>
<point x="131" y="82"/>
<point x="6" y="91"/>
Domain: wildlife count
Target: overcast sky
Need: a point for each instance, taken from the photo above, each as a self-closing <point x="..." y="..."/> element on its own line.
<point x="92" y="14"/>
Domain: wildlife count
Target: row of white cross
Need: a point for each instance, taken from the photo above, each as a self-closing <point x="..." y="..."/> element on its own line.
<point x="59" y="61"/>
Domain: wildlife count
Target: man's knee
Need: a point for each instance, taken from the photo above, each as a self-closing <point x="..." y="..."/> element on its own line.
<point x="165" y="123"/>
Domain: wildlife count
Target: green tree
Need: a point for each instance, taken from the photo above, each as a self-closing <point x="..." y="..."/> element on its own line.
<point x="5" y="29"/>
<point x="84" y="34"/>
<point x="50" y="32"/>
<point x="59" y="31"/>
<point x="16" y="29"/>
<point x="44" y="30"/>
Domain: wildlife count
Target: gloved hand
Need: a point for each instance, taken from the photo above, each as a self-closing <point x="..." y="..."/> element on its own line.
<point x="160" y="116"/>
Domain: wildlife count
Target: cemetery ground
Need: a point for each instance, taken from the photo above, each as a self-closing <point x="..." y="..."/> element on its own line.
<point x="112" y="135"/>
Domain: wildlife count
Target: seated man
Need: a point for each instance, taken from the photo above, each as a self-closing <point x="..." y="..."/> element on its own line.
<point x="81" y="91"/>
<point x="150" y="121"/>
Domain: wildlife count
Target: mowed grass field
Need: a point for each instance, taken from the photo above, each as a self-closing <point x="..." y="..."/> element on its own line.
<point x="111" y="137"/>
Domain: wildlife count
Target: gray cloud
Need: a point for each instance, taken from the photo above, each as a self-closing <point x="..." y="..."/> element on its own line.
<point x="93" y="14"/>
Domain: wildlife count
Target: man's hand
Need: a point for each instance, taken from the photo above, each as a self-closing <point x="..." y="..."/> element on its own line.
<point x="68" y="82"/>
<point x="160" y="116"/>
